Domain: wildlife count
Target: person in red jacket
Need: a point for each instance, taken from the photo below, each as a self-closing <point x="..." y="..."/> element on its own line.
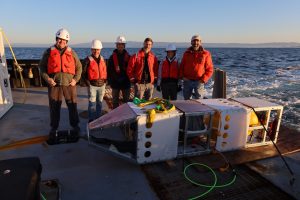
<point x="196" y="69"/>
<point x="61" y="69"/>
<point x="168" y="73"/>
<point x="95" y="74"/>
<point x="142" y="70"/>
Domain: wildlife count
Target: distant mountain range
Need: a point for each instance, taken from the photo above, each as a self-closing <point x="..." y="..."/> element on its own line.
<point x="134" y="44"/>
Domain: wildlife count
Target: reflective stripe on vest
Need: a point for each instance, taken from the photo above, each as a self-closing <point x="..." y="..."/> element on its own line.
<point x="96" y="71"/>
<point x="61" y="63"/>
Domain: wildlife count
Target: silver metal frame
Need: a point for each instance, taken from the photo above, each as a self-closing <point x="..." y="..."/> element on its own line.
<point x="188" y="134"/>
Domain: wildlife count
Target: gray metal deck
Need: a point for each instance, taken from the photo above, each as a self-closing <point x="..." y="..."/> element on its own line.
<point x="83" y="171"/>
<point x="86" y="173"/>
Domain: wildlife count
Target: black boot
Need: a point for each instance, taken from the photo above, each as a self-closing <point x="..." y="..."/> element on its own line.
<point x="53" y="137"/>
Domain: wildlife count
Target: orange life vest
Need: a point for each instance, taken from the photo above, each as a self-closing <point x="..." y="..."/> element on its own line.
<point x="61" y="63"/>
<point x="169" y="69"/>
<point x="96" y="71"/>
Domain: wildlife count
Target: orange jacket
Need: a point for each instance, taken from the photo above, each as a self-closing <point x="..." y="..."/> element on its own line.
<point x="61" y="63"/>
<point x="136" y="66"/>
<point x="196" y="65"/>
<point x="96" y="71"/>
<point x="169" y="69"/>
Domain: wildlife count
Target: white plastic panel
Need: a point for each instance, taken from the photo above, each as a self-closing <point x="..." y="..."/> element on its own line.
<point x="160" y="141"/>
<point x="233" y="122"/>
<point x="6" y="101"/>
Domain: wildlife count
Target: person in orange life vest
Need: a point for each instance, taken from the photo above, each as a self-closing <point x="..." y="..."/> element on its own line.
<point x="168" y="73"/>
<point x="117" y="77"/>
<point x="61" y="69"/>
<point x="142" y="70"/>
<point x="196" y="69"/>
<point x="95" y="75"/>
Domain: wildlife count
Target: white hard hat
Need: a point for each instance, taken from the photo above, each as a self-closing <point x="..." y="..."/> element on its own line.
<point x="63" y="34"/>
<point x="121" y="39"/>
<point x="96" y="44"/>
<point x="196" y="37"/>
<point x="171" y="47"/>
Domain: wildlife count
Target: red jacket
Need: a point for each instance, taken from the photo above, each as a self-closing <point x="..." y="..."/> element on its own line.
<point x="58" y="63"/>
<point x="136" y="66"/>
<point x="168" y="69"/>
<point x="196" y="65"/>
<point x="96" y="71"/>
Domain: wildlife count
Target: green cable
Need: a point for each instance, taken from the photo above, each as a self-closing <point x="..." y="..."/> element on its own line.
<point x="211" y="187"/>
<point x="43" y="196"/>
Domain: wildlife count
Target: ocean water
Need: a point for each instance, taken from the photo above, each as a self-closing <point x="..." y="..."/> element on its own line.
<point x="267" y="73"/>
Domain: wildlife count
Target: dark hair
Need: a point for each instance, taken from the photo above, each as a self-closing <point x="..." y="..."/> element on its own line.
<point x="60" y="38"/>
<point x="148" y="40"/>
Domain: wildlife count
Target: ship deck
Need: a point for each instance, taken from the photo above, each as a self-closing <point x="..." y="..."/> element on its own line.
<point x="85" y="172"/>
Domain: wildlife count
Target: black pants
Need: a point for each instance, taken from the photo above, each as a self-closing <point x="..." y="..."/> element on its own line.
<point x="55" y="99"/>
<point x="116" y="95"/>
<point x="169" y="90"/>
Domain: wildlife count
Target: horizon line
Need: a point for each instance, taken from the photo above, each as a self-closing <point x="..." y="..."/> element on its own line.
<point x="170" y="42"/>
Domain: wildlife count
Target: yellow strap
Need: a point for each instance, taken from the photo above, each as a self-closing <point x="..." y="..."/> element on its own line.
<point x="149" y="102"/>
<point x="158" y="101"/>
<point x="150" y="117"/>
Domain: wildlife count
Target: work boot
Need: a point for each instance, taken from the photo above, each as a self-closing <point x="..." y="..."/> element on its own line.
<point x="73" y="135"/>
<point x="52" y="138"/>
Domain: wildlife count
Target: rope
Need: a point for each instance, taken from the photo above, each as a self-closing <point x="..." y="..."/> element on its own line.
<point x="211" y="187"/>
<point x="18" y="67"/>
<point x="163" y="106"/>
<point x="43" y="197"/>
<point x="292" y="180"/>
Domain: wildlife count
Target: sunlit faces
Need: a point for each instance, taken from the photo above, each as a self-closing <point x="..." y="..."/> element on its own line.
<point x="147" y="46"/>
<point x="96" y="52"/>
<point x="61" y="43"/>
<point x="171" y="54"/>
<point x="120" y="46"/>
<point x="196" y="44"/>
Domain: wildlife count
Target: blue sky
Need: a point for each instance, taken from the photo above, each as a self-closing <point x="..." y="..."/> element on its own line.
<point x="219" y="21"/>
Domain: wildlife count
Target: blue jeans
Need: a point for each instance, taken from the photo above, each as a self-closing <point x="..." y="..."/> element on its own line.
<point x="195" y="88"/>
<point x="95" y="95"/>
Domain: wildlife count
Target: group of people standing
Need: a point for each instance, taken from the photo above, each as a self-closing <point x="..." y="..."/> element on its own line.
<point x="62" y="69"/>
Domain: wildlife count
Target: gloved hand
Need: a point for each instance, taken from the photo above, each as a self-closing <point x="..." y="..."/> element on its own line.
<point x="158" y="88"/>
<point x="179" y="88"/>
